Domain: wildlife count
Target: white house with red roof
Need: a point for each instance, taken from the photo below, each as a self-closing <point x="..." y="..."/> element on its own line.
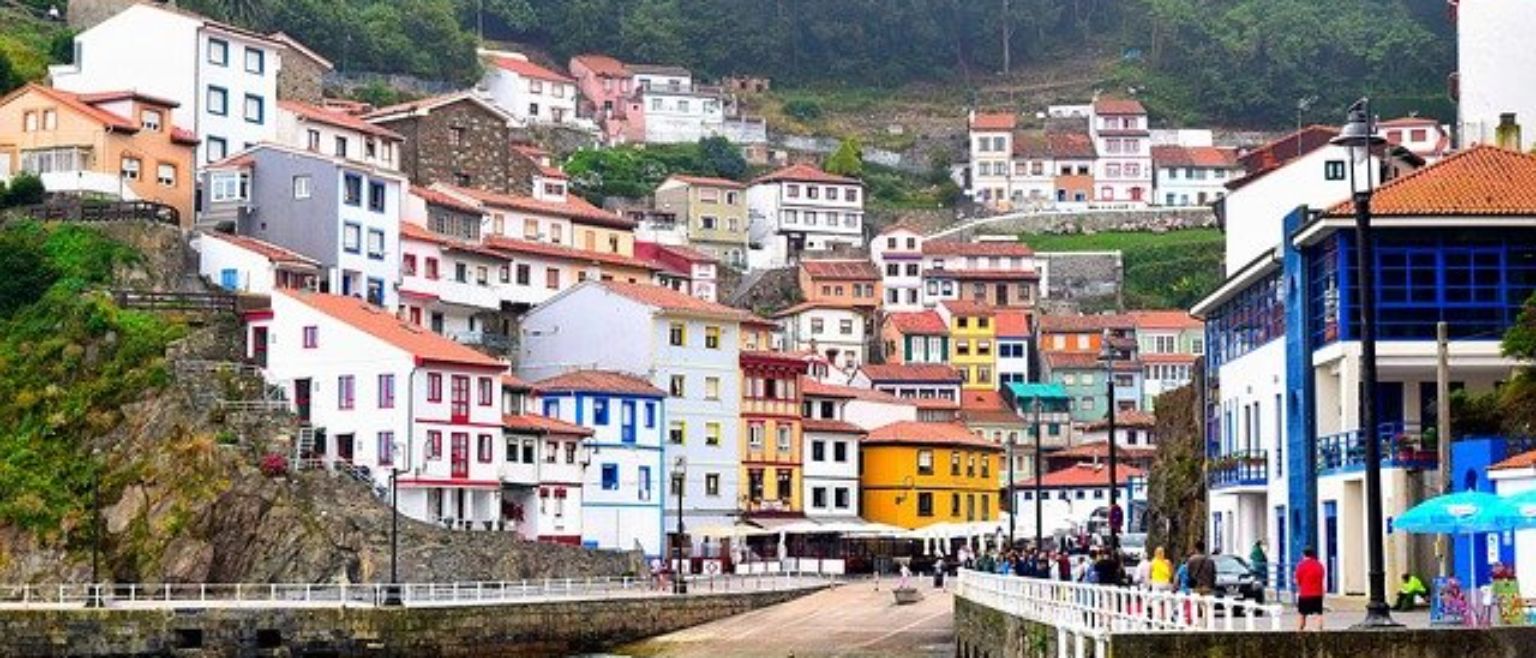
<point x="532" y="93"/>
<point x="543" y="488"/>
<point x="454" y="287"/>
<point x="1075" y="497"/>
<point x="801" y="208"/>
<point x="243" y="264"/>
<point x="223" y="77"/>
<point x="324" y="130"/>
<point x="1123" y="172"/>
<point x="682" y="268"/>
<point x="1424" y="136"/>
<point x="830" y="452"/>
<point x="1004" y="274"/>
<point x="912" y="381"/>
<point x="375" y="394"/>
<point x="1192" y="175"/>
<point x="898" y="253"/>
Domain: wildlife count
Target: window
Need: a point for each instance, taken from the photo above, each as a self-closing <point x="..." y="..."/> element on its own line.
<point x="345" y="388"/>
<point x="375" y="244"/>
<point x="712" y="337"/>
<point x="352" y="238"/>
<point x="434" y="387"/>
<point x="1333" y="170"/>
<point x="711" y="388"/>
<point x="255" y="109"/>
<point x="954" y="504"/>
<point x="925" y="462"/>
<point x="301" y="187"/>
<point x="817" y="325"/>
<point x="218" y="101"/>
<point x="840" y="452"/>
<point x="676" y="432"/>
<point x="819" y="497"/>
<point x="818" y="451"/>
<point x="150" y="120"/>
<point x="432" y="268"/>
<point x="434" y="445"/>
<point x="645" y="483"/>
<point x="677" y="334"/>
<point x="610" y="477"/>
<point x="29" y="122"/>
<point x="375" y="196"/>
<point x="676" y="386"/>
<point x="552" y="278"/>
<point x="954" y="462"/>
<point x="484" y="449"/>
<point x="217" y="150"/>
<point x="130" y="168"/>
<point x="487" y="395"/>
<point x="846" y="327"/>
<point x="925" y="503"/>
<point x="712" y="432"/>
<point x="311" y="337"/>
<point x="712" y="484"/>
<point x="218" y="52"/>
<point x="386" y="448"/>
<point x="386" y="391"/>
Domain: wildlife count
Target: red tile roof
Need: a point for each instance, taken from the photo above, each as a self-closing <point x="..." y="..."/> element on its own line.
<point x="857" y="270"/>
<point x="512" y="381"/>
<point x="833" y="426"/>
<point x="673" y="301"/>
<point x="986" y="407"/>
<point x="183" y="136"/>
<point x="543" y="425"/>
<point x="1084" y="475"/>
<point x="513" y="245"/>
<point x="380" y="324"/>
<point x="918" y="323"/>
<point x="994" y="121"/>
<point x="910" y="372"/>
<point x="918" y="433"/>
<point x="125" y="94"/>
<point x="528" y="69"/>
<point x="1071" y="146"/>
<point x="989" y="248"/>
<point x="931" y="403"/>
<point x="968" y="307"/>
<point x="598" y="381"/>
<point x="1402" y="122"/>
<point x="816" y="388"/>
<point x="1072" y="360"/>
<point x="1481" y="181"/>
<point x="1100" y="450"/>
<point x="603" y="65"/>
<point x="708" y="181"/>
<point x="1083" y="323"/>
<point x="1132" y="419"/>
<point x="1012" y="323"/>
<point x="1173" y="357"/>
<point x="266" y="250"/>
<point x="574" y="207"/>
<point x="337" y="119"/>
<point x="73" y="102"/>
<point x="437" y="198"/>
<point x="1213" y="157"/>
<point x="412" y="231"/>
<point x="1272" y="156"/>
<point x="1164" y="319"/>
<point x="1118" y="106"/>
<point x="804" y="173"/>
<point x="1522" y="460"/>
<point x="982" y="275"/>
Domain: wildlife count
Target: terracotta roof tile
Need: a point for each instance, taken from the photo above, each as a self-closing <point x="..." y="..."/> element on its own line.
<point x="919" y="433"/>
<point x="858" y="270"/>
<point x="1119" y="106"/>
<point x="804" y="173"/>
<point x="1271" y="156"/>
<point x="338" y="119"/>
<point x="73" y="102"/>
<point x="1133" y="419"/>
<point x="1522" y="460"/>
<point x="598" y="381"/>
<point x="1072" y="360"/>
<point x="1012" y="323"/>
<point x="380" y="324"/>
<point x="1099" y="450"/>
<point x="183" y="136"/>
<point x="986" y="407"/>
<point x="1083" y="323"/>
<point x="1213" y="157"/>
<point x="1172" y="357"/>
<point x="994" y="121"/>
<point x="918" y="323"/>
<point x="574" y="207"/>
<point x="435" y="197"/>
<point x="543" y="425"/>
<point x="833" y="426"/>
<point x="982" y="275"/>
<point x="562" y="252"/>
<point x="1164" y="319"/>
<point x="969" y="307"/>
<point x="1480" y="181"/>
<point x="528" y="69"/>
<point x="671" y="300"/>
<point x="264" y="249"/>
<point x="910" y="372"/>
<point x="97" y="97"/>
<point x="815" y="388"/>
<point x="990" y="248"/>
<point x="1084" y="475"/>
<point x="708" y="181"/>
<point x="1071" y="146"/>
<point x="603" y="65"/>
<point x="512" y="381"/>
<point x="412" y="231"/>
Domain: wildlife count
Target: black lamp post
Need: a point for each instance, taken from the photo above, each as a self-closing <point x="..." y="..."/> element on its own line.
<point x="1013" y="497"/>
<point x="1359" y="136"/>
<point x="1114" y="487"/>
<point x="392" y="592"/>
<point x="1039" y="486"/>
<point x="679" y="476"/>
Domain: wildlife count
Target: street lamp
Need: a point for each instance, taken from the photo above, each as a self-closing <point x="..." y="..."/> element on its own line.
<point x="679" y="477"/>
<point x="1013" y="496"/>
<point x="1359" y="136"/>
<point x="1039" y="475"/>
<point x="1114" y="488"/>
<point x="392" y="592"/>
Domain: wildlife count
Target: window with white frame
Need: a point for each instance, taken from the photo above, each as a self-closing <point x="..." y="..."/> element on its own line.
<point x="131" y="168"/>
<point x="228" y="186"/>
<point x="165" y="174"/>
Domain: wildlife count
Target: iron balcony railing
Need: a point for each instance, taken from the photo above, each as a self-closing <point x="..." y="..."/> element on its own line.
<point x="1246" y="468"/>
<point x="1401" y="445"/>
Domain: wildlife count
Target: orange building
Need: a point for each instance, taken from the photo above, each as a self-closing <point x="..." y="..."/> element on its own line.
<point x="843" y="283"/>
<point x="119" y="144"/>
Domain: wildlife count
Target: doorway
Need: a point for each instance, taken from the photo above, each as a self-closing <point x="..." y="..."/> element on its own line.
<point x="301" y="393"/>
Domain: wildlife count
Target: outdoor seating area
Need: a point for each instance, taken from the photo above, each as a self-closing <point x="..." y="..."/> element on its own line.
<point x="1497" y="602"/>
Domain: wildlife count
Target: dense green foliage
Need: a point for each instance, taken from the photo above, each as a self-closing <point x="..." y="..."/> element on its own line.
<point x="1162" y="270"/>
<point x="635" y="171"/>
<point x="1176" y="482"/>
<point x="890" y="188"/>
<point x="69" y="361"/>
<point x="25" y="189"/>
<point x="28" y="42"/>
<point x="1511" y="409"/>
<point x="847" y="160"/>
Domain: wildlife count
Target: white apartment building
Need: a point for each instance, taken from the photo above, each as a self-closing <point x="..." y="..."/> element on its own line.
<point x="836" y="331"/>
<point x="321" y="130"/>
<point x="531" y="93"/>
<point x="242" y="264"/>
<point x="802" y="208"/>
<point x="454" y="287"/>
<point x="224" y="77"/>
<point x="1423" y="136"/>
<point x="1192" y="175"/>
<point x="543" y="489"/>
<point x="1123" y="172"/>
<point x="898" y="253"/>
<point x="830" y="452"/>
<point x="376" y="394"/>
<point x="1494" y="60"/>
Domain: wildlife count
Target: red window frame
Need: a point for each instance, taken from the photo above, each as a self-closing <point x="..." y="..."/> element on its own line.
<point x="408" y="265"/>
<point x="311" y="337"/>
<point x="434" y="445"/>
<point x="459" y="464"/>
<point x="486" y="394"/>
<point x="386" y="391"/>
<point x="434" y="387"/>
<point x="416" y="315"/>
<point x="346" y="387"/>
<point x="458" y="409"/>
<point x="432" y="268"/>
<point x="485" y="449"/>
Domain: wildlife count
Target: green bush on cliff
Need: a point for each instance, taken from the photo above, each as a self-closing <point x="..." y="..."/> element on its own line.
<point x="69" y="360"/>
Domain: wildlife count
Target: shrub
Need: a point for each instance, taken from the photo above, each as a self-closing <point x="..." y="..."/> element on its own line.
<point x="274" y="465"/>
<point x="803" y="109"/>
<point x="26" y="189"/>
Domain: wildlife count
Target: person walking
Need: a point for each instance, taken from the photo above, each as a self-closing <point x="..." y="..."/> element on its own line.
<point x="1161" y="572"/>
<point x="1310" y="576"/>
<point x="1202" y="571"/>
<point x="1258" y="563"/>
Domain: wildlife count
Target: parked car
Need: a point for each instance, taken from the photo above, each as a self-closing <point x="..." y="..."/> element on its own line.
<point x="1235" y="579"/>
<point x="1134" y="546"/>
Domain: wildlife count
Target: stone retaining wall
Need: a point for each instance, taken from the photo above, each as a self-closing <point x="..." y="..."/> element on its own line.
<point x="535" y="629"/>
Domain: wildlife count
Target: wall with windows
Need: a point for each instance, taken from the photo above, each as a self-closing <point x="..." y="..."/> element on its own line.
<point x="623" y="491"/>
<point x="832" y="332"/>
<point x="681" y="116"/>
<point x="831" y="474"/>
<point x="912" y="486"/>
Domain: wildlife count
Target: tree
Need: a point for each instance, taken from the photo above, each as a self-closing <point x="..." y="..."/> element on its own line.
<point x="24" y="274"/>
<point x="847" y="160"/>
<point x="26" y="189"/>
<point x="9" y="79"/>
<point x="1176" y="482"/>
<point x="719" y="157"/>
<point x="1517" y="400"/>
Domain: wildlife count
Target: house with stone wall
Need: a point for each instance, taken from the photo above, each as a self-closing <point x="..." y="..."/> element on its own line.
<point x="456" y="139"/>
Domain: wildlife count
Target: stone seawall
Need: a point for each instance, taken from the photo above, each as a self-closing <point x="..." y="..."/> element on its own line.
<point x="981" y="632"/>
<point x="517" y="630"/>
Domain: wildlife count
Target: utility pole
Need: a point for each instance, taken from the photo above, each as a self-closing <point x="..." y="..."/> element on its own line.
<point x="1007" y="35"/>
<point x="1039" y="491"/>
<point x="1443" y="429"/>
<point x="1013" y="496"/>
<point x="1114" y="484"/>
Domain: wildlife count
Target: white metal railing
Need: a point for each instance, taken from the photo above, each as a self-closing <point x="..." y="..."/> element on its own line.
<point x="340" y="595"/>
<point x="1099" y="611"/>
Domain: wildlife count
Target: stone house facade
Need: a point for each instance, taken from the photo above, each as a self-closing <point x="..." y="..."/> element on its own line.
<point x="457" y="140"/>
<point x="303" y="73"/>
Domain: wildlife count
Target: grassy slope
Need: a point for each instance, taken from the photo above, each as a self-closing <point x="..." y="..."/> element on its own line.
<point x="1162" y="270"/>
<point x="25" y="40"/>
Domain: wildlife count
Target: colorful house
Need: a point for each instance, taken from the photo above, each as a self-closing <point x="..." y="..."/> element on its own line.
<point x="770" y="440"/>
<point x="1168" y="343"/>
<point x="1014" y="340"/>
<point x="974" y="333"/>
<point x="916" y="474"/>
<point x="714" y="212"/>
<point x="830" y="452"/>
<point x="542" y="480"/>
<point x="915" y="337"/>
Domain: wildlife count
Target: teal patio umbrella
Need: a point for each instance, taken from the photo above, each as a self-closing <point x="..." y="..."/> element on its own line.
<point x="1464" y="513"/>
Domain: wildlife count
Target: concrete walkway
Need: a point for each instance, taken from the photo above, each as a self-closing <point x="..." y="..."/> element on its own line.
<point x="849" y="620"/>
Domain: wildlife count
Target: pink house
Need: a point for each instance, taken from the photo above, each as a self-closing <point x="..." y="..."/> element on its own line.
<point x="611" y="97"/>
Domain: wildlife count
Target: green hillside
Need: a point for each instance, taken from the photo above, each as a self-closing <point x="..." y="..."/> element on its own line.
<point x="1162" y="270"/>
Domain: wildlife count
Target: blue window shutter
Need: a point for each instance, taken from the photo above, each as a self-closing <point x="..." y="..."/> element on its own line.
<point x="229" y="278"/>
<point x="610" y="477"/>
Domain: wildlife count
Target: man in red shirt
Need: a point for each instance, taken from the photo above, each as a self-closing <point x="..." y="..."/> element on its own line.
<point x="1310" y="576"/>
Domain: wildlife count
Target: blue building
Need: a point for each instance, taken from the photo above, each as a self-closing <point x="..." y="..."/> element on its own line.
<point x="1455" y="242"/>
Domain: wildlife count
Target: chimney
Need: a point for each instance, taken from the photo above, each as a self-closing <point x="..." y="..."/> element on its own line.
<point x="1507" y="135"/>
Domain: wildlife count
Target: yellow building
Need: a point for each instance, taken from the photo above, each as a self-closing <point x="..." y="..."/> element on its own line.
<point x="770" y="426"/>
<point x="917" y="474"/>
<point x="973" y="342"/>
